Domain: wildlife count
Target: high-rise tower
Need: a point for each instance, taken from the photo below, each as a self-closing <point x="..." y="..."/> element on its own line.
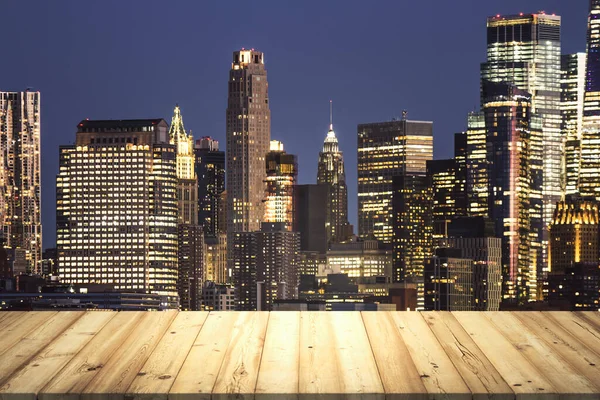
<point x="572" y="87"/>
<point x="210" y="170"/>
<point x="248" y="137"/>
<point x="282" y="174"/>
<point x="525" y="50"/>
<point x="387" y="150"/>
<point x="190" y="238"/>
<point x="116" y="207"/>
<point x="20" y="156"/>
<point x="331" y="173"/>
<point x="589" y="176"/>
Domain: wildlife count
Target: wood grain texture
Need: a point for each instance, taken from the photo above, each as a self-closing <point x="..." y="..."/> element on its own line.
<point x="476" y="370"/>
<point x="578" y="327"/>
<point x="30" y="344"/>
<point x="8" y="317"/>
<point x="20" y="326"/>
<point x="199" y="372"/>
<point x="299" y="355"/>
<point x="555" y="369"/>
<point x="573" y="351"/>
<point x="282" y="348"/>
<point x="523" y="377"/>
<point x="158" y="373"/>
<point x="125" y="363"/>
<point x="397" y="371"/>
<point x="440" y="377"/>
<point x="336" y="360"/>
<point x="239" y="371"/>
<point x="70" y="381"/>
<point x="26" y="382"/>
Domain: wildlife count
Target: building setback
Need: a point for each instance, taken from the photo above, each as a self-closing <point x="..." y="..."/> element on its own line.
<point x="20" y="181"/>
<point x="387" y="150"/>
<point x="117" y="210"/>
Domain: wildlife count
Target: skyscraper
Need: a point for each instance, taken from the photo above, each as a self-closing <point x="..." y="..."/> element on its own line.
<point x="572" y="87"/>
<point x="589" y="176"/>
<point x="210" y="170"/>
<point x="386" y="150"/>
<point x="330" y="172"/>
<point x="190" y="238"/>
<point x="514" y="158"/>
<point x="248" y="136"/>
<point x="21" y="189"/>
<point x="116" y="207"/>
<point x="525" y="50"/>
<point x="311" y="217"/>
<point x="282" y="174"/>
<point x="476" y="164"/>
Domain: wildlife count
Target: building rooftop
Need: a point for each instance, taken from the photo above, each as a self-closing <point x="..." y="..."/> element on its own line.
<point x="118" y="123"/>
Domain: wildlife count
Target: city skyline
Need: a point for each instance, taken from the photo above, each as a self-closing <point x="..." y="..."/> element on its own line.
<point x="60" y="115"/>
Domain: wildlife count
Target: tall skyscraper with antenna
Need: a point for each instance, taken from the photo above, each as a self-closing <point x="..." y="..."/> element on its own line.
<point x="331" y="173"/>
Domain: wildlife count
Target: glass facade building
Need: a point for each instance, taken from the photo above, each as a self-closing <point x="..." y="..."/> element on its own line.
<point x="387" y="150"/>
<point x="514" y="158"/>
<point x="589" y="176"/>
<point x="282" y="174"/>
<point x="525" y="50"/>
<point x="572" y="87"/>
<point x="210" y="170"/>
<point x="117" y="208"/>
<point x="20" y="179"/>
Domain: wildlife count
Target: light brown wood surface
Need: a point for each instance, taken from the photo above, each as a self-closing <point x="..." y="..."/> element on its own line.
<point x="299" y="355"/>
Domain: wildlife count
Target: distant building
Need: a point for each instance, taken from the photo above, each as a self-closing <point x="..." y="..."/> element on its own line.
<point x="265" y="266"/>
<point x="215" y="259"/>
<point x="309" y="262"/>
<point x="20" y="182"/>
<point x="387" y="150"/>
<point x="447" y="182"/>
<point x="311" y="217"/>
<point x="210" y="170"/>
<point x="117" y="210"/>
<point x="218" y="297"/>
<point x="589" y="173"/>
<point x="449" y="282"/>
<point x="282" y="174"/>
<point x="360" y="258"/>
<point x="577" y="288"/>
<point x="515" y="163"/>
<point x="574" y="234"/>
<point x="49" y="262"/>
<point x="477" y="165"/>
<point x="190" y="235"/>
<point x="572" y="92"/>
<point x="331" y="173"/>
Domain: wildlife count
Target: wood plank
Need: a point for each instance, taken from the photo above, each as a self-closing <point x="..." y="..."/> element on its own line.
<point x="239" y="371"/>
<point x="523" y="377"/>
<point x="476" y="370"/>
<point x="591" y="317"/>
<point x="75" y="376"/>
<point x="578" y="327"/>
<point x="278" y="371"/>
<point x="439" y="376"/>
<point x="158" y="373"/>
<point x="27" y="381"/>
<point x="21" y="326"/>
<point x="336" y="360"/>
<point x="576" y="353"/>
<point x="397" y="371"/>
<point x="7" y="316"/>
<point x="34" y="341"/>
<point x="123" y="366"/>
<point x="197" y="376"/>
<point x="565" y="379"/>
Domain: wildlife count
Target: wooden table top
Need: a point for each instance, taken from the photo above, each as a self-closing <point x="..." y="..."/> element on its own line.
<point x="49" y="355"/>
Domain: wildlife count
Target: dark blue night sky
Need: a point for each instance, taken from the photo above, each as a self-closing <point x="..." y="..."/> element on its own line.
<point x="135" y="59"/>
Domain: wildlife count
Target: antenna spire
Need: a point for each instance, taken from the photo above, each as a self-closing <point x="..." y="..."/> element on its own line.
<point x="330" y="115"/>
